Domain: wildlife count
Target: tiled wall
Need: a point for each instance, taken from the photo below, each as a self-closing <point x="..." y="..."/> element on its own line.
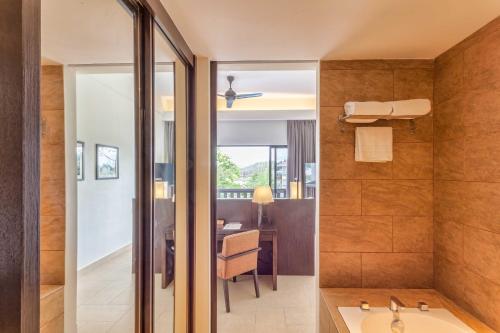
<point x="52" y="205"/>
<point x="376" y="219"/>
<point x="467" y="174"/>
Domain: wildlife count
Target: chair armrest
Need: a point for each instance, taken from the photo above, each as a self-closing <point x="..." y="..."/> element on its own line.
<point x="234" y="256"/>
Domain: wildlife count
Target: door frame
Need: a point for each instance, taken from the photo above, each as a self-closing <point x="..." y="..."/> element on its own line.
<point x="147" y="15"/>
<point x="213" y="176"/>
<point x="20" y="306"/>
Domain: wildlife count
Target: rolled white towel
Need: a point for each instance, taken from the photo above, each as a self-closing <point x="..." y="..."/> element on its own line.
<point x="367" y="109"/>
<point x="410" y="108"/>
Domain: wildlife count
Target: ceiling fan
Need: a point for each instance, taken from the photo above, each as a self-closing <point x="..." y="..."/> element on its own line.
<point x="230" y="95"/>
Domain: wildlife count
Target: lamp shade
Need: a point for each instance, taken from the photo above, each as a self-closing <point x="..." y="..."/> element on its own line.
<point x="263" y="195"/>
<point x="295" y="190"/>
<point x="160" y="192"/>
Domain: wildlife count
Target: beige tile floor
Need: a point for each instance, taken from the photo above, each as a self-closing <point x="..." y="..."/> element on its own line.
<point x="105" y="299"/>
<point x="290" y="309"/>
<point x="106" y="303"/>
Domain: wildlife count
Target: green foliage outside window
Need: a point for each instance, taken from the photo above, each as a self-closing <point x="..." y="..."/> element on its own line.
<point x="230" y="176"/>
<point x="228" y="172"/>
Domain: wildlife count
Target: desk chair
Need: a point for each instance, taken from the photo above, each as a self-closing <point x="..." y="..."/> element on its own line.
<point x="238" y="256"/>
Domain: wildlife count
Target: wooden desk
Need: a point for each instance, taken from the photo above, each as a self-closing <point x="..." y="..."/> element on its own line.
<point x="268" y="233"/>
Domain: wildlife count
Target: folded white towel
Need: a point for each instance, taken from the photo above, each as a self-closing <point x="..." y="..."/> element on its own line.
<point x="410" y="108"/>
<point x="373" y="144"/>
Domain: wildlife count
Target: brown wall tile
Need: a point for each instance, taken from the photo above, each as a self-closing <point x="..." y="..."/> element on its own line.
<point x="482" y="158"/>
<point x="52" y="174"/>
<point x="401" y="131"/>
<point x="449" y="240"/>
<point x="467" y="121"/>
<point x="51" y="267"/>
<point x="52" y="88"/>
<point x="340" y="197"/>
<point x="449" y="201"/>
<point x="482" y="253"/>
<point x="448" y="79"/>
<point x="52" y="233"/>
<point x="412" y="161"/>
<point x="412" y="234"/>
<point x="341" y="270"/>
<point x="356" y="234"/>
<point x="51" y="307"/>
<point x="450" y="159"/>
<point x="52" y="198"/>
<point x="338" y="163"/>
<point x="449" y="119"/>
<point x="397" y="270"/>
<point x="446" y="271"/>
<point x="481" y="66"/>
<point x="481" y="203"/>
<point x="400" y="188"/>
<point x="52" y="127"/>
<point x="332" y="131"/>
<point x="481" y="114"/>
<point x="339" y="87"/>
<point x="482" y="298"/>
<point x="413" y="83"/>
<point x="397" y="197"/>
<point x="52" y="162"/>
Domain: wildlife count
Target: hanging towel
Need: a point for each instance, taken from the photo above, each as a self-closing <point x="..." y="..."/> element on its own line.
<point x="373" y="144"/>
<point x="366" y="109"/>
<point x="411" y="108"/>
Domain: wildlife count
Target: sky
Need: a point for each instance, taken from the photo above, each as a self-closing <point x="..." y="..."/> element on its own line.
<point x="245" y="156"/>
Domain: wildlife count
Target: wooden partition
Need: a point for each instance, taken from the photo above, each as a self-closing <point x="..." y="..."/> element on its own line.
<point x="294" y="220"/>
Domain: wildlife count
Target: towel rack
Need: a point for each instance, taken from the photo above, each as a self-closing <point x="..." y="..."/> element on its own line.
<point x="411" y="122"/>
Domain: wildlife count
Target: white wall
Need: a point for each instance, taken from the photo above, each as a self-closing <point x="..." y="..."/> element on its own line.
<point x="105" y="115"/>
<point x="255" y="132"/>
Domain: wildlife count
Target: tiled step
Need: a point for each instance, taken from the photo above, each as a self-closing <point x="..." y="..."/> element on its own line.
<point x="51" y="309"/>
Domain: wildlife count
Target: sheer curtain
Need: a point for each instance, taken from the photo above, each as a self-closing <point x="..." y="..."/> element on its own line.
<point x="301" y="139"/>
<point x="169" y="141"/>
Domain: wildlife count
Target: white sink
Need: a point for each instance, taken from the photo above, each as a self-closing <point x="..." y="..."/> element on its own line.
<point x="378" y="320"/>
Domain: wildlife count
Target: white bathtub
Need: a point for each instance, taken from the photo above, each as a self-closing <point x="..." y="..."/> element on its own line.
<point x="378" y="320"/>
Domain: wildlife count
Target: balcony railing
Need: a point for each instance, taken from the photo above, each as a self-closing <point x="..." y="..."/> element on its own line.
<point x="245" y="193"/>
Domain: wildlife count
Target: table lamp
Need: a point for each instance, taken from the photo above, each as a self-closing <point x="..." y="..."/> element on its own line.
<point x="262" y="195"/>
<point x="295" y="190"/>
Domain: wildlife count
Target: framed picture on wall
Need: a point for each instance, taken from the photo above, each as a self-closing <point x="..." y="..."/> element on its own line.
<point x="80" y="165"/>
<point x="106" y="162"/>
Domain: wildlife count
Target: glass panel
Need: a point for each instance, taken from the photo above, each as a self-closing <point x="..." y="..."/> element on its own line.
<point x="170" y="226"/>
<point x="88" y="82"/>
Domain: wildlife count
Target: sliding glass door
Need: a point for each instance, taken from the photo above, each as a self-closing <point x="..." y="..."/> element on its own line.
<point x="170" y="188"/>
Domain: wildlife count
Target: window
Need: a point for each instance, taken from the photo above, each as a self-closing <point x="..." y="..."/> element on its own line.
<point x="242" y="168"/>
<point x="278" y="162"/>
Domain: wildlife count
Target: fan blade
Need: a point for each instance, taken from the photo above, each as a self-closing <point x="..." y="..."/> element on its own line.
<point x="240" y="96"/>
<point x="221" y="95"/>
<point x="229" y="102"/>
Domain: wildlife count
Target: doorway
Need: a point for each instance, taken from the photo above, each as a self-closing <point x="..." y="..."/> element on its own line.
<point x="264" y="248"/>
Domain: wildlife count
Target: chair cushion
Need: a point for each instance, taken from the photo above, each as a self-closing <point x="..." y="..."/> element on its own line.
<point x="240" y="242"/>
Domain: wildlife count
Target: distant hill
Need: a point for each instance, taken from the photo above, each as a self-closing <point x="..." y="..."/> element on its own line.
<point x="253" y="168"/>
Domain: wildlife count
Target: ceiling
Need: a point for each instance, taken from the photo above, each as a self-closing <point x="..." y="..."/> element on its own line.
<point x="101" y="31"/>
<point x="269" y="81"/>
<point x="327" y="29"/>
<point x="91" y="32"/>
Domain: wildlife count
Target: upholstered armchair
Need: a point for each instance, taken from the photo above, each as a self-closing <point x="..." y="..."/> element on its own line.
<point x="238" y="256"/>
